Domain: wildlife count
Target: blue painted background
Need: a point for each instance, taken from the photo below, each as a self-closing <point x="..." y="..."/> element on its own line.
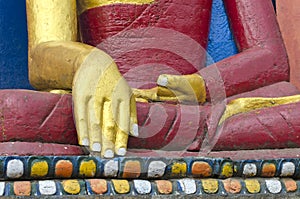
<point x="13" y="44"/>
<point x="13" y="41"/>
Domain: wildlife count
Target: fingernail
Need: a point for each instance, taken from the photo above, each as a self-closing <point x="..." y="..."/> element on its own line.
<point x="109" y="154"/>
<point x="135" y="130"/>
<point x="122" y="151"/>
<point x="162" y="81"/>
<point x="85" y="142"/>
<point x="96" y="147"/>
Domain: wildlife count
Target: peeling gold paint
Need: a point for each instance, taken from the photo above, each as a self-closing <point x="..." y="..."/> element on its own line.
<point x="245" y="105"/>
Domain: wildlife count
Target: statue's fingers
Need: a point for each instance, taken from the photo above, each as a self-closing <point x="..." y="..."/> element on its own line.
<point x="134" y="130"/>
<point x="121" y="142"/>
<point x="80" y="115"/>
<point x="175" y="83"/>
<point x="93" y="122"/>
<point x="123" y="127"/>
<point x="147" y="94"/>
<point x="164" y="92"/>
<point x="108" y="131"/>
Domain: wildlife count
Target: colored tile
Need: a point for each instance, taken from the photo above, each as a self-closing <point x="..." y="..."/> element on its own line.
<point x="290" y="185"/>
<point x="63" y="169"/>
<point x="15" y="169"/>
<point x="111" y="168"/>
<point x="39" y="169"/>
<point x="132" y="169"/>
<point x="249" y="170"/>
<point x="288" y="169"/>
<point x="2" y="188"/>
<point x="142" y="186"/>
<point x="201" y="169"/>
<point x="227" y="170"/>
<point x="273" y="186"/>
<point x="98" y="186"/>
<point x="232" y="186"/>
<point x="22" y="188"/>
<point x="71" y="186"/>
<point x="121" y="186"/>
<point x="210" y="186"/>
<point x="164" y="186"/>
<point x="87" y="168"/>
<point x="156" y="169"/>
<point x="47" y="187"/>
<point x="179" y="169"/>
<point x="268" y="170"/>
<point x="252" y="186"/>
<point x="188" y="186"/>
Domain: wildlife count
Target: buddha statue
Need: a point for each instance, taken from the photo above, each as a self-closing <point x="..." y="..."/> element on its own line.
<point x="158" y="47"/>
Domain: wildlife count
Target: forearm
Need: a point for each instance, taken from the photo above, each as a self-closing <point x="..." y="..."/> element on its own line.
<point x="262" y="59"/>
<point x="49" y="20"/>
<point x="246" y="71"/>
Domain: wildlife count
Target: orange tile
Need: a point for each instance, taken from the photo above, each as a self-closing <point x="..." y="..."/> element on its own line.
<point x="98" y="186"/>
<point x="164" y="186"/>
<point x="22" y="188"/>
<point x="201" y="169"/>
<point x="132" y="169"/>
<point x="232" y="185"/>
<point x="63" y="169"/>
<point x="290" y="185"/>
<point x="268" y="170"/>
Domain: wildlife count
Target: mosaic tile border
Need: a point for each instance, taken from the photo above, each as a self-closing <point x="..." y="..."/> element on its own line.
<point x="121" y="187"/>
<point x="81" y="167"/>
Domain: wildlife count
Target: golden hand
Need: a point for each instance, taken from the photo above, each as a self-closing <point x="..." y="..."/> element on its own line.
<point x="188" y="89"/>
<point x="104" y="109"/>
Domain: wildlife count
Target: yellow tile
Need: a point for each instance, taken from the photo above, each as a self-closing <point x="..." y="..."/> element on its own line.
<point x="71" y="186"/>
<point x="179" y="168"/>
<point x="87" y="168"/>
<point x="227" y="170"/>
<point x="252" y="185"/>
<point x="210" y="185"/>
<point x="121" y="186"/>
<point x="39" y="169"/>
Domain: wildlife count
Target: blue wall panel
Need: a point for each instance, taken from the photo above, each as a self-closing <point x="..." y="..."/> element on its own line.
<point x="13" y="44"/>
<point x="220" y="41"/>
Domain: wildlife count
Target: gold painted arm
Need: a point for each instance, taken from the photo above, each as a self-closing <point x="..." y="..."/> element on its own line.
<point x="50" y="21"/>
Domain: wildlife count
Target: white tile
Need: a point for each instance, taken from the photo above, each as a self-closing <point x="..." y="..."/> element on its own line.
<point x="188" y="186"/>
<point x="47" y="187"/>
<point x="250" y="169"/>
<point x="288" y="169"/>
<point x="142" y="186"/>
<point x="156" y="169"/>
<point x="2" y="188"/>
<point x="15" y="168"/>
<point x="111" y="168"/>
<point x="273" y="186"/>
